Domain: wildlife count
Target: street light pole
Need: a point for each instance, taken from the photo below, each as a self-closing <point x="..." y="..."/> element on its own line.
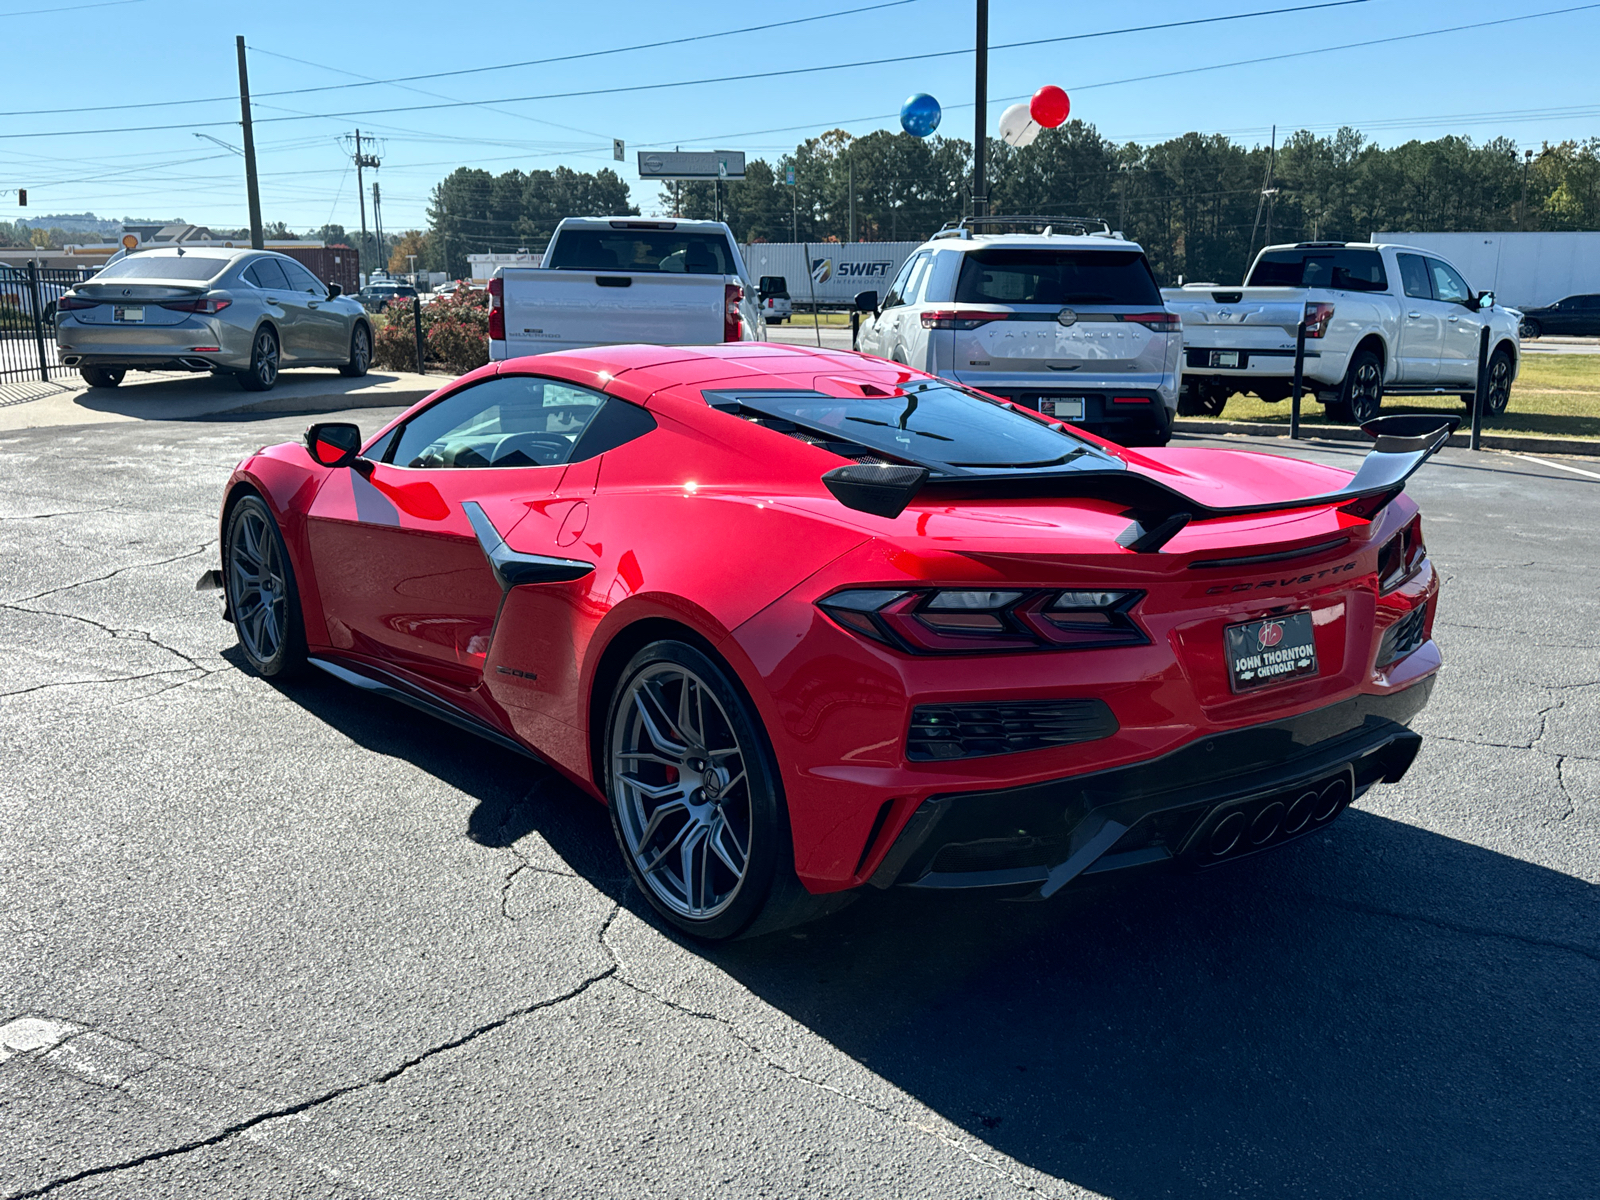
<point x="980" y="197"/>
<point x="253" y="192"/>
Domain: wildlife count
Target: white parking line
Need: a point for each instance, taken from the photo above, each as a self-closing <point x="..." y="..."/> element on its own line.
<point x="1545" y="462"/>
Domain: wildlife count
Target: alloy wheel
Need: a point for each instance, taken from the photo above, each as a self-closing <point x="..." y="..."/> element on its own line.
<point x="1499" y="386"/>
<point x="681" y="790"/>
<point x="266" y="364"/>
<point x="1366" y="392"/>
<point x="258" y="587"/>
<point x="363" y="351"/>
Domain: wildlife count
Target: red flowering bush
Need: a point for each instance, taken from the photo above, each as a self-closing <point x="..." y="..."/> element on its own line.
<point x="455" y="333"/>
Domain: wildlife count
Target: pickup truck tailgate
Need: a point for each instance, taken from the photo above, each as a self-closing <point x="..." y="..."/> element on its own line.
<point x="560" y="309"/>
<point x="1248" y="318"/>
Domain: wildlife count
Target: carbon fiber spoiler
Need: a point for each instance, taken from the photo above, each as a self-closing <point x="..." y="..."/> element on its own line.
<point x="1403" y="444"/>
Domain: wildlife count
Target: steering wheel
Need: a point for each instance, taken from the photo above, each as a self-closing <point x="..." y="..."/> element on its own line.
<point x="544" y="449"/>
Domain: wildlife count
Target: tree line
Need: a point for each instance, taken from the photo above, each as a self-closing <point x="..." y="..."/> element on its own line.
<point x="1196" y="202"/>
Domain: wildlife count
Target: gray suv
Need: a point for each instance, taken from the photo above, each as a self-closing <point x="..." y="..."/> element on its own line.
<point x="1067" y="320"/>
<point x="243" y="312"/>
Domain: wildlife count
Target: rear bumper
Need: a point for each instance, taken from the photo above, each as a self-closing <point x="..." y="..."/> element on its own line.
<point x="1102" y="413"/>
<point x="155" y="347"/>
<point x="1212" y="801"/>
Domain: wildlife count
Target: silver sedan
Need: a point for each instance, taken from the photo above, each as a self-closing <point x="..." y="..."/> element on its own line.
<point x="242" y="312"/>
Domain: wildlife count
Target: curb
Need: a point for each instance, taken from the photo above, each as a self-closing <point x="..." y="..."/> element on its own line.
<point x="333" y="402"/>
<point x="1349" y="433"/>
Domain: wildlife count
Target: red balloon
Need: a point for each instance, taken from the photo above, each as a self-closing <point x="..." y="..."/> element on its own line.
<point x="1049" y="106"/>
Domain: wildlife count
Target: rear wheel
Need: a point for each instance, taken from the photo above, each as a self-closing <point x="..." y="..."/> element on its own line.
<point x="694" y="795"/>
<point x="1202" y="399"/>
<point x="106" y="377"/>
<point x="262" y="372"/>
<point x="1530" y="329"/>
<point x="1360" y="397"/>
<point x="360" y="354"/>
<point x="262" y="598"/>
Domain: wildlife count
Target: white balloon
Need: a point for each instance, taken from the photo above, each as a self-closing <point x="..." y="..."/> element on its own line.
<point x="1017" y="126"/>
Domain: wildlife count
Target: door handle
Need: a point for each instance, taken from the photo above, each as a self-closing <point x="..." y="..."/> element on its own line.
<point x="1453" y="320"/>
<point x="1415" y="316"/>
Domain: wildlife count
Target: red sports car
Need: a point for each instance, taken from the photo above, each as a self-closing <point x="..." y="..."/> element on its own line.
<point x="808" y="620"/>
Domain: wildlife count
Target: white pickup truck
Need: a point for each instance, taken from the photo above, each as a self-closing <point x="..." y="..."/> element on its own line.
<point x="605" y="281"/>
<point x="1380" y="319"/>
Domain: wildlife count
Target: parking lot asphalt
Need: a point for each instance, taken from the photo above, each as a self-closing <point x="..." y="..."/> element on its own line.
<point x="294" y="941"/>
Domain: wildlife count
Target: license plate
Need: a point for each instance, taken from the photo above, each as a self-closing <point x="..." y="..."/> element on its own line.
<point x="1224" y="358"/>
<point x="1261" y="653"/>
<point x="1068" y="407"/>
<point x="122" y="313"/>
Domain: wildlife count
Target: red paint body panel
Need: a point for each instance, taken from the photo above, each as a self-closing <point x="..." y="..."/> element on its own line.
<point x="723" y="527"/>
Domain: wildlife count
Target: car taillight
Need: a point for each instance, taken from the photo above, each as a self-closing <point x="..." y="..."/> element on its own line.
<point x="987" y="621"/>
<point x="1317" y="318"/>
<point x="196" y="306"/>
<point x="962" y="318"/>
<point x="732" y="294"/>
<point x="497" y="312"/>
<point x="1401" y="556"/>
<point x="1156" y="322"/>
<point x="68" y="303"/>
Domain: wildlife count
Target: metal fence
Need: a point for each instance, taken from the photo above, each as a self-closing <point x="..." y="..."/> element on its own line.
<point x="28" y="295"/>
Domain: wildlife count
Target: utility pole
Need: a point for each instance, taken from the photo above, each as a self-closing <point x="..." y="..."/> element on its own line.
<point x="1122" y="197"/>
<point x="363" y="160"/>
<point x="252" y="191"/>
<point x="852" y="236"/>
<point x="377" y="223"/>
<point x="980" y="195"/>
<point x="1261" y="201"/>
<point x="1271" y="193"/>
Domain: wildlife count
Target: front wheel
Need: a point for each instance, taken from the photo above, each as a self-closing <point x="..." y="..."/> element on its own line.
<point x="360" y="354"/>
<point x="262" y="372"/>
<point x="694" y="794"/>
<point x="262" y="599"/>
<point x="1360" y="397"/>
<point x="103" y="377"/>
<point x="1499" y="392"/>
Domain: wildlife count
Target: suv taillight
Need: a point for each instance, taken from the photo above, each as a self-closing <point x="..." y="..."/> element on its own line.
<point x="732" y="294"/>
<point x="497" y="312"/>
<point x="1156" y="322"/>
<point x="1317" y="319"/>
<point x="961" y="318"/>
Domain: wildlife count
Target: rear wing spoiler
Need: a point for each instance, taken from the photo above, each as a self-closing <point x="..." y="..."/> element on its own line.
<point x="1403" y="443"/>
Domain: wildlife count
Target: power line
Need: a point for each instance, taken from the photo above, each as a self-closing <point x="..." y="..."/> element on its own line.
<point x="875" y="62"/>
<point x="34" y="12"/>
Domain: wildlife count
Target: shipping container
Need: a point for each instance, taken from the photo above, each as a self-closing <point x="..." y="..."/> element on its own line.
<point x="833" y="272"/>
<point x="331" y="264"/>
<point x="1523" y="270"/>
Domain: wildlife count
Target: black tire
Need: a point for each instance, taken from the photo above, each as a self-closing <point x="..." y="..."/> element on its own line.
<point x="1360" y="396"/>
<point x="50" y="313"/>
<point x="263" y="599"/>
<point x="264" y="357"/>
<point x="1530" y="329"/>
<point x="698" y="789"/>
<point x="1499" y="391"/>
<point x="103" y="377"/>
<point x="360" y="352"/>
<point x="1160" y="435"/>
<point x="1202" y="400"/>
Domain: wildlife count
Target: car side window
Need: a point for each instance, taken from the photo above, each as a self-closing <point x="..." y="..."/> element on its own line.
<point x="300" y="279"/>
<point x="1447" y="284"/>
<point x="918" y="277"/>
<point x="507" y="421"/>
<point x="896" y="293"/>
<point x="1414" y="276"/>
<point x="265" y="273"/>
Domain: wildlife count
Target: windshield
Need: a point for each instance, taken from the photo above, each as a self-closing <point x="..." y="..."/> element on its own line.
<point x="642" y="250"/>
<point x="164" y="266"/>
<point x="934" y="424"/>
<point x="1030" y="275"/>
<point x="1342" y="270"/>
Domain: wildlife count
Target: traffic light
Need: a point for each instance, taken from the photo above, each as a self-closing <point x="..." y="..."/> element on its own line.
<point x="22" y="197"/>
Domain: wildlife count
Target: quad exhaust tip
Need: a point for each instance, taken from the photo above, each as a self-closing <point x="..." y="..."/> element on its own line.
<point x="1257" y="825"/>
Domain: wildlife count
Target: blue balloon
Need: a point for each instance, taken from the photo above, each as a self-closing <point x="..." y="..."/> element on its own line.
<point x="919" y="115"/>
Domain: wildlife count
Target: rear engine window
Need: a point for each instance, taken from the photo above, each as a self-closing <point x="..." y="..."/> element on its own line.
<point x="1026" y="275"/>
<point x="933" y="424"/>
<point x="1343" y="270"/>
<point x="164" y="266"/>
<point x="636" y="250"/>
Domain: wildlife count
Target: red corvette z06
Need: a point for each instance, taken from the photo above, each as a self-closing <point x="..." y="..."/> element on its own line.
<point x="807" y="621"/>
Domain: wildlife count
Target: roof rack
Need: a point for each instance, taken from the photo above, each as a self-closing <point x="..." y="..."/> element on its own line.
<point x="1068" y="226"/>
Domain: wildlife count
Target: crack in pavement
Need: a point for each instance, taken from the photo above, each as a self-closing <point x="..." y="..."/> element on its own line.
<point x="1374" y="910"/>
<point x="66" y="683"/>
<point x="67" y="587"/>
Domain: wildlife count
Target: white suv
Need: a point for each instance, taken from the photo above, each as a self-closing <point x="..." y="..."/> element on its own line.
<point x="1067" y="320"/>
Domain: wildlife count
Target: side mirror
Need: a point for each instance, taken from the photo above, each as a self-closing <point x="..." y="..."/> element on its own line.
<point x="866" y="302"/>
<point x="1485" y="300"/>
<point x="334" y="291"/>
<point x="334" y="443"/>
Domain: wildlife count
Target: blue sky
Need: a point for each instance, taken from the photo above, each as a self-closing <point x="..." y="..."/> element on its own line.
<point x="1528" y="80"/>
